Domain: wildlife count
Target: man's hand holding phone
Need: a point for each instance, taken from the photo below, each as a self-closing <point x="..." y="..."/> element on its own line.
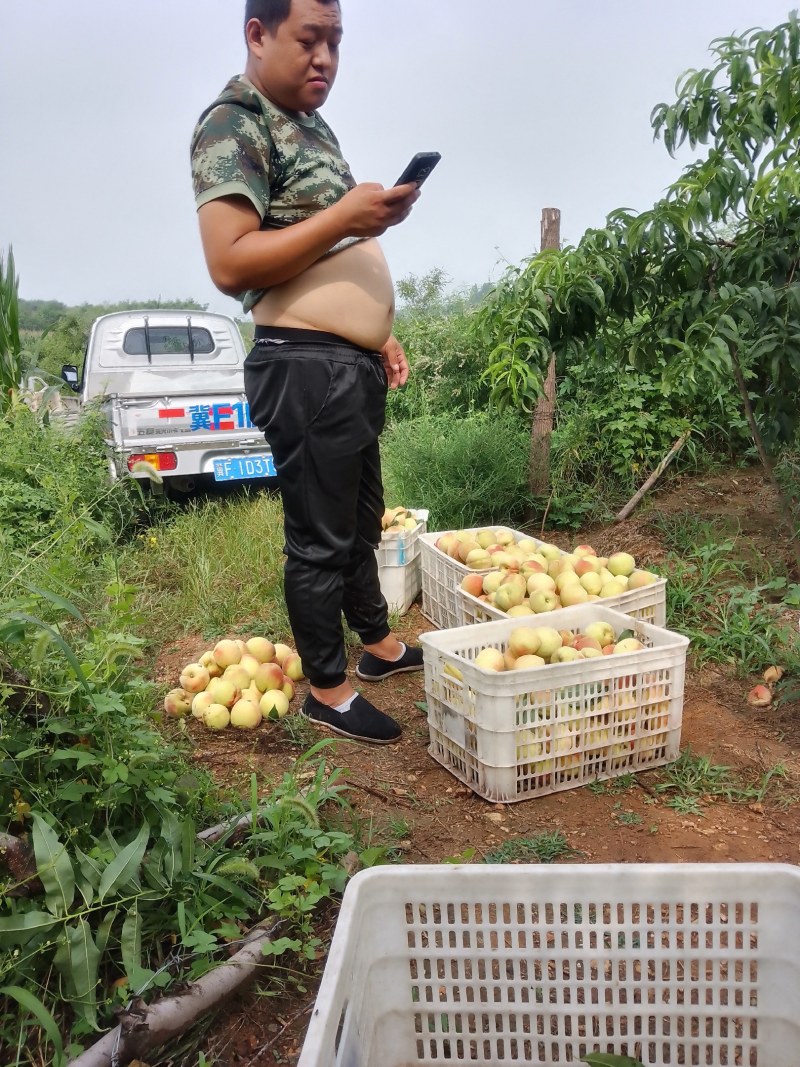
<point x="369" y="209"/>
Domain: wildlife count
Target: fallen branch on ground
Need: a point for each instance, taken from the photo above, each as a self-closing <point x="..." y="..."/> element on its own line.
<point x="143" y="1027"/>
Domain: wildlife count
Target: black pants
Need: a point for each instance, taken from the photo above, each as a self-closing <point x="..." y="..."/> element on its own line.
<point x="320" y="403"/>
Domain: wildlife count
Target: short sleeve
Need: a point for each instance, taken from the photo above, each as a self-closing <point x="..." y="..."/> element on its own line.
<point x="231" y="157"/>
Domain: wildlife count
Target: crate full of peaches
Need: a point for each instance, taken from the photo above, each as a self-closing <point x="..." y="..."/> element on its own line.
<point x="519" y="708"/>
<point x="533" y="578"/>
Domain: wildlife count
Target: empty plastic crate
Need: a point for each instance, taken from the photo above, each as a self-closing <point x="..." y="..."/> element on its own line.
<point x="511" y="735"/>
<point x="690" y="964"/>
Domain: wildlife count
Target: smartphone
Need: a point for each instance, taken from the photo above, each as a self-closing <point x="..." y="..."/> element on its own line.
<point x="419" y="168"/>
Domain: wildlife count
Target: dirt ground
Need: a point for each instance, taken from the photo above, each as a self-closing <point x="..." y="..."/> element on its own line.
<point x="417" y="806"/>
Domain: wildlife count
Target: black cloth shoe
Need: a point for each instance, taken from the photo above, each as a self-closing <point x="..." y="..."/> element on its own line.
<point x="361" y="721"/>
<point x="372" y="669"/>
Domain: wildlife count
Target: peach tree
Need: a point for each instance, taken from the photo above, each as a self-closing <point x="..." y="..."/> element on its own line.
<point x="705" y="284"/>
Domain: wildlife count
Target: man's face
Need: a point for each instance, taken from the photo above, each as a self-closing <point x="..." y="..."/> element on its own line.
<point x="297" y="67"/>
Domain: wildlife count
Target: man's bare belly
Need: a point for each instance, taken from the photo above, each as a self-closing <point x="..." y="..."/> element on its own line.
<point x="349" y="293"/>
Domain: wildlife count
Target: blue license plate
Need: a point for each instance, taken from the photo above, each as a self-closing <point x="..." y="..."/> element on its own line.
<point x="238" y="467"/>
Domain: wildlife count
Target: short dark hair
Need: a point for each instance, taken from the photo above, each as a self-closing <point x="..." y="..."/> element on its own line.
<point x="271" y="13"/>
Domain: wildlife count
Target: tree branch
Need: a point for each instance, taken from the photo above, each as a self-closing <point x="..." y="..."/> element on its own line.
<point x="143" y="1027"/>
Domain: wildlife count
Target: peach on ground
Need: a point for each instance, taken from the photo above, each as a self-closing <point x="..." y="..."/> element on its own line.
<point x="177" y="703"/>
<point x="269" y="676"/>
<point x="194" y="678"/>
<point x="261" y="648"/>
<point x="281" y="652"/>
<point x="227" y="652"/>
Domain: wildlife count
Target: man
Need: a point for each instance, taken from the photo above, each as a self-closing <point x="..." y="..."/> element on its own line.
<point x="286" y="229"/>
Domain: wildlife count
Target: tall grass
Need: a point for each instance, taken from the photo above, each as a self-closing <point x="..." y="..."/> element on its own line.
<point x="467" y="471"/>
<point x="216" y="568"/>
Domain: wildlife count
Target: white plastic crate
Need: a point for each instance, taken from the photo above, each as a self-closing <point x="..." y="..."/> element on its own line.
<point x="401" y="547"/>
<point x="513" y="735"/>
<point x="401" y="585"/>
<point x="491" y="964"/>
<point x="400" y="566"/>
<point x="648" y="604"/>
<point x="441" y="576"/>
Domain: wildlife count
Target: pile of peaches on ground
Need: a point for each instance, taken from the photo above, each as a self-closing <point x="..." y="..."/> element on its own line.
<point x="237" y="683"/>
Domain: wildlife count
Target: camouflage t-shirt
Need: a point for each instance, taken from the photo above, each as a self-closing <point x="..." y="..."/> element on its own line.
<point x="289" y="166"/>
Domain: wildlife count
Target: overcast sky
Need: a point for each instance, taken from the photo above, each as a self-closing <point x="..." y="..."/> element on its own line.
<point x="532" y="103"/>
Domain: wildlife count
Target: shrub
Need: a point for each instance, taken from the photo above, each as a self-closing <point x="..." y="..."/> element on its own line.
<point x="52" y="476"/>
<point x="467" y="471"/>
<point x="446" y="362"/>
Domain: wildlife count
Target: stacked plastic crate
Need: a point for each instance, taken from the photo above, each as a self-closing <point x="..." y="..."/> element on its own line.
<point x="400" y="564"/>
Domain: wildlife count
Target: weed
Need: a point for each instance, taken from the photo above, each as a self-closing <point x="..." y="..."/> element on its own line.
<point x="462" y="857"/>
<point x="692" y="779"/>
<point x="685" y="805"/>
<point x="466" y="471"/>
<point x="728" y="618"/>
<point x="544" y="848"/>
<point x="697" y="776"/>
<point x="758" y="792"/>
<point x="613" y="786"/>
<point x="628" y="818"/>
<point x="112" y="811"/>
<point x="299" y="730"/>
<point x="400" y="829"/>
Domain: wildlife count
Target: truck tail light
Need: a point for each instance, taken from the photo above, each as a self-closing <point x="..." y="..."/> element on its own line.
<point x="162" y="461"/>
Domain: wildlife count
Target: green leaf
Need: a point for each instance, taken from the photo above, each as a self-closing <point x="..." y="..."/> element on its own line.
<point x="171" y="834"/>
<point x="59" y="601"/>
<point x="53" y="866"/>
<point x="58" y="640"/>
<point x="84" y="960"/>
<point x="233" y="891"/>
<point x="16" y="930"/>
<point x="32" y="1004"/>
<point x="124" y="868"/>
<point x="131" y="947"/>
<point x="104" y="930"/>
<point x="97" y="528"/>
<point x="279" y="946"/>
<point x="89" y="868"/>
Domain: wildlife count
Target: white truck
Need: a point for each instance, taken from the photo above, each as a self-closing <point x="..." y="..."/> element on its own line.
<point x="171" y="384"/>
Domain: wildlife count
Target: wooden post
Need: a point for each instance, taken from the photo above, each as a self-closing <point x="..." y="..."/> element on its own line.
<point x="542" y="426"/>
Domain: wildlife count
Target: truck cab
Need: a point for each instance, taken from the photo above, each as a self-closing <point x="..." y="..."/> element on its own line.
<point x="171" y="384"/>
